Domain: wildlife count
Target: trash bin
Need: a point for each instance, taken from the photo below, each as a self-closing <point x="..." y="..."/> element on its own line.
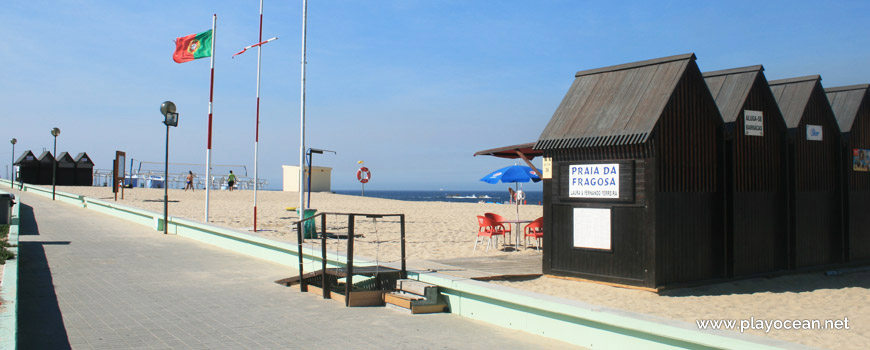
<point x="7" y="200"/>
<point x="309" y="229"/>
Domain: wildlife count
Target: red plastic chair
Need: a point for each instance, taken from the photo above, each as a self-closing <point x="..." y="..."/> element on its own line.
<point x="488" y="228"/>
<point x="500" y="220"/>
<point x="535" y="229"/>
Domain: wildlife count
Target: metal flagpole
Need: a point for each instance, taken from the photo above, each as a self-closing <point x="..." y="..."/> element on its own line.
<point x="257" y="127"/>
<point x="302" y="117"/>
<point x="210" y="110"/>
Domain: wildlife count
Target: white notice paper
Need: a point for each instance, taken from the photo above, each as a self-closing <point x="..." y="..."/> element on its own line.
<point x="592" y="228"/>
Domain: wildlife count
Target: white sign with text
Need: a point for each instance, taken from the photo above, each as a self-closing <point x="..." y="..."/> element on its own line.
<point x="753" y="123"/>
<point x="593" y="181"/>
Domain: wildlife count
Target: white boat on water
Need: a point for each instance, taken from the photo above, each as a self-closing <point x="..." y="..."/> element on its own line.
<point x="473" y="196"/>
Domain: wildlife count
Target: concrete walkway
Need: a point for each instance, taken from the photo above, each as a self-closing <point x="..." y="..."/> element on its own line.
<point x="91" y="281"/>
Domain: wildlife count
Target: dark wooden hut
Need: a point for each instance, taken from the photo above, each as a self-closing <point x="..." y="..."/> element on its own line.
<point x="851" y="105"/>
<point x="28" y="168"/>
<point x="815" y="234"/>
<point x="46" y="168"/>
<point x="66" y="169"/>
<point x="756" y="141"/>
<point x="658" y="220"/>
<point x="84" y="170"/>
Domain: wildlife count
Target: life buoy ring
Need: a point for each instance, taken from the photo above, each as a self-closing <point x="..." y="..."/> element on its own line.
<point x="363" y="174"/>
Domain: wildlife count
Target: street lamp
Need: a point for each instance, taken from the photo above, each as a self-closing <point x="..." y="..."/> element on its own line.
<point x="54" y="132"/>
<point x="170" y="118"/>
<point x="12" y="176"/>
<point x="310" y="152"/>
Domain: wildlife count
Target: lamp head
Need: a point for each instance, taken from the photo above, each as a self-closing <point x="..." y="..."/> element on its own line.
<point x="13" y="141"/>
<point x="167" y="107"/>
<point x="55" y="132"/>
<point x="170" y="117"/>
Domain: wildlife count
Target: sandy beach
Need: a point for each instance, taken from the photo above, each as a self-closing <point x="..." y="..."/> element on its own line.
<point x="441" y="230"/>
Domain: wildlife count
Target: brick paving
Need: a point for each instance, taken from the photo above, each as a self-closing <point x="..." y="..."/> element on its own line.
<point x="92" y="281"/>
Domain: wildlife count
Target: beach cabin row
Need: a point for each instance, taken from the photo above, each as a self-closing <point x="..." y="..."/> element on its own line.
<point x="657" y="174"/>
<point x="71" y="171"/>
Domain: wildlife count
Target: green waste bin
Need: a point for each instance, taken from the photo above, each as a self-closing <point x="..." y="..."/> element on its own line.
<point x="309" y="229"/>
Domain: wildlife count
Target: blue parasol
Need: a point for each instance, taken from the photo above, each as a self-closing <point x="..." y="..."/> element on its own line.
<point x="512" y="174"/>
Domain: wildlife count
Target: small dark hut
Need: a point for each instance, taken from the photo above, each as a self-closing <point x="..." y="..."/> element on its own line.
<point x="46" y="168"/>
<point x="756" y="142"/>
<point x="84" y="170"/>
<point x="633" y="189"/>
<point x="851" y="105"/>
<point x="815" y="234"/>
<point x="28" y="168"/>
<point x="66" y="170"/>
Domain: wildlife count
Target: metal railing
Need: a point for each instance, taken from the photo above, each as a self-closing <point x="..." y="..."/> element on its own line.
<point x="348" y="284"/>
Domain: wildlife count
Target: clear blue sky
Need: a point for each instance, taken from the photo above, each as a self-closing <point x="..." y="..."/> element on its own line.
<point x="413" y="88"/>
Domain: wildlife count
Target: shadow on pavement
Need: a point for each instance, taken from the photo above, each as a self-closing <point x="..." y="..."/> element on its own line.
<point x="40" y="323"/>
<point x="26" y="221"/>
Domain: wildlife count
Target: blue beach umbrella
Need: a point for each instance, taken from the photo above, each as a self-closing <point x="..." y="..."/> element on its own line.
<point x="512" y="174"/>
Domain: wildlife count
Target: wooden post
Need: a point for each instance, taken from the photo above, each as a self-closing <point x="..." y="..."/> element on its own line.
<point x="402" y="229"/>
<point x="348" y="280"/>
<point x="302" y="286"/>
<point x="325" y="283"/>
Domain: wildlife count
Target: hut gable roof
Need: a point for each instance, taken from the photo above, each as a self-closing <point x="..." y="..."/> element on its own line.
<point x="614" y="105"/>
<point x="730" y="88"/>
<point x="792" y="96"/>
<point x="23" y="157"/>
<point x="46" y="155"/>
<point x="845" y="101"/>
<point x="65" y="157"/>
<point x="84" y="157"/>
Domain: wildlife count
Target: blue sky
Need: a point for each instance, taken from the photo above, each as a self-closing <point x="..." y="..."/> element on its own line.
<point x="413" y="88"/>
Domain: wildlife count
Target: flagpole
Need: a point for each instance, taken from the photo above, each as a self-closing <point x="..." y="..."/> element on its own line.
<point x="210" y="111"/>
<point x="302" y="116"/>
<point x="257" y="127"/>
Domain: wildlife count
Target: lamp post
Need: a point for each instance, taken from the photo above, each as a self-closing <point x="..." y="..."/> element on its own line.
<point x="12" y="176"/>
<point x="54" y="132"/>
<point x="170" y="118"/>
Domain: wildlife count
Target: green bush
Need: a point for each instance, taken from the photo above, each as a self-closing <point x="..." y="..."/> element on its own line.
<point x="4" y="242"/>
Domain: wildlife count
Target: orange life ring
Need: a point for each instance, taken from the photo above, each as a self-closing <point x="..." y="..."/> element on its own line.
<point x="363" y="174"/>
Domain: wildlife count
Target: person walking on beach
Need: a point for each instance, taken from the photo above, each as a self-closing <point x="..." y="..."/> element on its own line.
<point x="231" y="180"/>
<point x="189" y="181"/>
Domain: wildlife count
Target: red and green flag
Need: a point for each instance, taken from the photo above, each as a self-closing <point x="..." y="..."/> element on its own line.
<point x="191" y="47"/>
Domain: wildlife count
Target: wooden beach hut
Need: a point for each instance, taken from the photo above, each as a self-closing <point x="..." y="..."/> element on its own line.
<point x="66" y="169"/>
<point x="46" y="168"/>
<point x="815" y="234"/>
<point x="28" y="168"/>
<point x="84" y="170"/>
<point x="633" y="190"/>
<point x="756" y="141"/>
<point x="851" y="105"/>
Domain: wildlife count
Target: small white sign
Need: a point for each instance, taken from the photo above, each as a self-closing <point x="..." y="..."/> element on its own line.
<point x="593" y="181"/>
<point x="592" y="228"/>
<point x="753" y="123"/>
<point x="814" y="132"/>
<point x="547" y="168"/>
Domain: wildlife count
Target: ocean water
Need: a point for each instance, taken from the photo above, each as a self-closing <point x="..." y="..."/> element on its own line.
<point x="532" y="197"/>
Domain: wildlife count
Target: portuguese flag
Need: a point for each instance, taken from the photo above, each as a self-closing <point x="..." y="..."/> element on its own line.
<point x="191" y="47"/>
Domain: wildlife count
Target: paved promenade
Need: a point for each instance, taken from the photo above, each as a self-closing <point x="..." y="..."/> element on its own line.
<point x="91" y="281"/>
